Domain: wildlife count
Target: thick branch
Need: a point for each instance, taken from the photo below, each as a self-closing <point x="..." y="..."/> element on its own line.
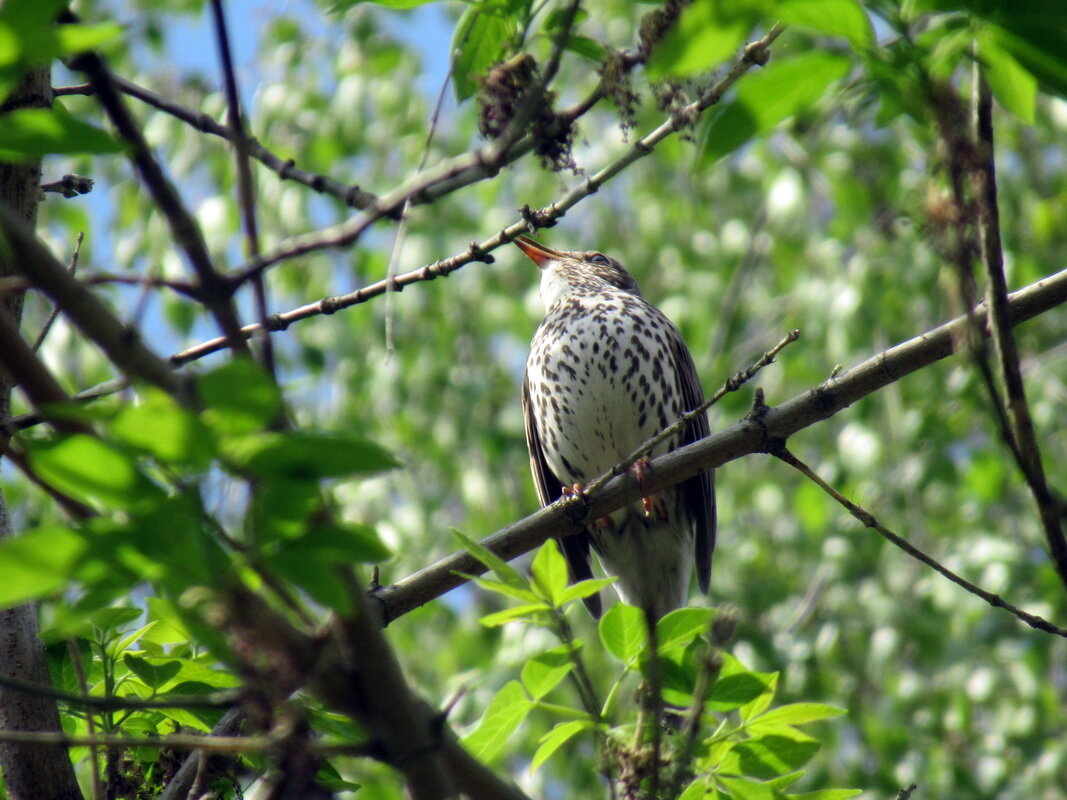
<point x="744" y="438"/>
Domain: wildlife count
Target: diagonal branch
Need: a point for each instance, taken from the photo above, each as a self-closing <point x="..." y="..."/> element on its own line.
<point x="984" y="183"/>
<point x="217" y="290"/>
<point x="869" y="520"/>
<point x="416" y="191"/>
<point x="744" y="438"/>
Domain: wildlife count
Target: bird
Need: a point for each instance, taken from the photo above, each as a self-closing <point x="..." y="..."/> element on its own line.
<point x="607" y="370"/>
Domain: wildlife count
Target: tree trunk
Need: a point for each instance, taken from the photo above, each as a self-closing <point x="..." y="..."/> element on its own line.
<point x="30" y="772"/>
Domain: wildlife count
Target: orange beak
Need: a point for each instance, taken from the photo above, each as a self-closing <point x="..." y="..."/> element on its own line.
<point x="537" y="252"/>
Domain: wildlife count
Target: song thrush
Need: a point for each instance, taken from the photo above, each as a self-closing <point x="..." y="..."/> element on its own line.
<point x="607" y="371"/>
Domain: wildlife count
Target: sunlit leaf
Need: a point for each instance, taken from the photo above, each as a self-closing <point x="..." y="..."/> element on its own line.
<point x="159" y="426"/>
<point x="92" y="470"/>
<point x="797" y="714"/>
<point x="781" y="89"/>
<point x="37" y="563"/>
<point x="549" y="571"/>
<point x="708" y="32"/>
<point x="556" y="738"/>
<point x="154" y="673"/>
<point x="845" y="18"/>
<point x="29" y="133"/>
<point x="240" y="397"/>
<point x="543" y="672"/>
<point x="504" y="714"/>
<point x="507" y="573"/>
<point x="305" y="455"/>
<point x="681" y="626"/>
<point x="623" y="632"/>
<point x="480" y="40"/>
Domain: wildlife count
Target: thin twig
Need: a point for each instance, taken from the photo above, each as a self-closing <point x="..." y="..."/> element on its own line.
<point x="350" y="231"/>
<point x="90" y="721"/>
<point x="55" y="309"/>
<point x="224" y="699"/>
<point x="246" y="197"/>
<point x="984" y="184"/>
<point x="869" y="521"/>
<point x="746" y="437"/>
<point x="217" y="290"/>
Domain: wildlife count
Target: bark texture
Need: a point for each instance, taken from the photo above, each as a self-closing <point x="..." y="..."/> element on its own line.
<point x="31" y="772"/>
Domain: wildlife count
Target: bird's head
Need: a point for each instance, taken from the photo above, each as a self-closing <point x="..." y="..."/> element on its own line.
<point x="569" y="272"/>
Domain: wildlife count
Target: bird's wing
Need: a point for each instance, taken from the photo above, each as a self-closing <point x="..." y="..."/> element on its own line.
<point x="549" y="489"/>
<point x="698" y="493"/>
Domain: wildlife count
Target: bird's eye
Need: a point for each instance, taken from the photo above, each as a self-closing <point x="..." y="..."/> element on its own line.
<point x="598" y="258"/>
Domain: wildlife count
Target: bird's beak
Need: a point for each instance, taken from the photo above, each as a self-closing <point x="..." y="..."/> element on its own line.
<point x="537" y="252"/>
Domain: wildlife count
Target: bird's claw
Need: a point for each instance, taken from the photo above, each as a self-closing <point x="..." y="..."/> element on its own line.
<point x="654" y="505"/>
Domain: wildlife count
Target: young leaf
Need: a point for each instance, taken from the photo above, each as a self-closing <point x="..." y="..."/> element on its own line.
<point x="29" y="133"/>
<point x="584" y="588"/>
<point x="623" y="633"/>
<point x="682" y="626"/>
<point x="844" y="18"/>
<point x="306" y="456"/>
<point x="549" y="570"/>
<point x="480" y="40"/>
<point x="556" y="738"/>
<point x="525" y="595"/>
<point x="796" y="714"/>
<point x="745" y="789"/>
<point x="92" y="470"/>
<point x="528" y="611"/>
<point x="502" y="717"/>
<point x="159" y="426"/>
<point x="507" y="573"/>
<point x="772" y="755"/>
<point x="154" y="675"/>
<point x="1014" y="87"/>
<point x="542" y="673"/>
<point x="240" y="397"/>
<point x="707" y="32"/>
<point x="738" y="686"/>
<point x="783" y="88"/>
<point x="37" y="563"/>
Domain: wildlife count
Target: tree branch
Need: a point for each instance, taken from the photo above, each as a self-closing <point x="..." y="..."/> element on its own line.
<point x="744" y="438"/>
<point x="869" y="520"/>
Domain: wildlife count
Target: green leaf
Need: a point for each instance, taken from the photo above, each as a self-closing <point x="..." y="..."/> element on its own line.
<point x="796" y="714"/>
<point x="37" y="563"/>
<point x="783" y="88"/>
<point x="481" y="39"/>
<point x="542" y="673"/>
<point x="622" y="632"/>
<point x="772" y="755"/>
<point x="79" y="38"/>
<point x="707" y="32"/>
<point x="737" y="686"/>
<point x="170" y="627"/>
<point x="504" y="714"/>
<point x="399" y="5"/>
<point x="30" y="133"/>
<point x="525" y="595"/>
<point x="528" y="611"/>
<point x="507" y="573"/>
<point x="1013" y="86"/>
<point x="159" y="426"/>
<point x="845" y="18"/>
<point x="556" y="738"/>
<point x="339" y="543"/>
<point x="585" y="588"/>
<point x="549" y="571"/>
<point x="697" y="790"/>
<point x="240" y="397"/>
<point x="92" y="471"/>
<point x="826" y="794"/>
<point x="586" y="48"/>
<point x="682" y="626"/>
<point x="305" y="456"/>
<point x="745" y="789"/>
<point x="153" y="674"/>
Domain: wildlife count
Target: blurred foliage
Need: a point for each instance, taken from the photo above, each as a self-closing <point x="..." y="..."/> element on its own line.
<point x="815" y="215"/>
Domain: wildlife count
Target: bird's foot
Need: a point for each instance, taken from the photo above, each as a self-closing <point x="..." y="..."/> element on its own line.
<point x="577" y="492"/>
<point x="654" y="505"/>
